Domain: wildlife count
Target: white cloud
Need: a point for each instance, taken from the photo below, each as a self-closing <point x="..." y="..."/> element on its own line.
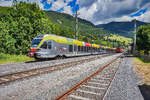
<point x="87" y="13"/>
<point x="41" y="5"/>
<point x="58" y="4"/>
<point x="48" y="1"/>
<point x="5" y="3"/>
<point x="61" y="4"/>
<point x="145" y="17"/>
<point x="68" y="10"/>
<point x="109" y="10"/>
<point x="68" y="1"/>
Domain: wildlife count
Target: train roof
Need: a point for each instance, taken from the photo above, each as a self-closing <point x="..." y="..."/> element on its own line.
<point x="61" y="39"/>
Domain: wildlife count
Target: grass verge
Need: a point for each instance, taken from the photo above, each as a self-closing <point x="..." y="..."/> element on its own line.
<point x="143" y="60"/>
<point x="143" y="69"/>
<point x="7" y="58"/>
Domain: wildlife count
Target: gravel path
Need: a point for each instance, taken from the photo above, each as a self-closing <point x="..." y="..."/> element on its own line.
<point x="48" y="86"/>
<point x="124" y="86"/>
<point x="19" y="67"/>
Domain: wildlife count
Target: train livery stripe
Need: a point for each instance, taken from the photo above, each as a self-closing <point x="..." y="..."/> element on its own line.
<point x="55" y="38"/>
<point x="95" y="45"/>
<point x="60" y="40"/>
<point x="64" y="40"/>
<point x="78" y="43"/>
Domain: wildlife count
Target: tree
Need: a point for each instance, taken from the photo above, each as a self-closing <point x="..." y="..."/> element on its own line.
<point x="143" y="38"/>
<point x="20" y="25"/>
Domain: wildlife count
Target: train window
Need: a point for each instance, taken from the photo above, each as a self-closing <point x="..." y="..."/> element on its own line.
<point x="70" y="48"/>
<point x="79" y="48"/>
<point x="49" y="44"/>
<point x="44" y="45"/>
<point x="75" y="48"/>
<point x="84" y="49"/>
<point x="93" y="49"/>
<point x="89" y="49"/>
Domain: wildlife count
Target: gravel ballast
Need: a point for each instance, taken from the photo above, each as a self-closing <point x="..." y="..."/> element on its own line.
<point x="48" y="86"/>
<point x="25" y="66"/>
<point x="125" y="84"/>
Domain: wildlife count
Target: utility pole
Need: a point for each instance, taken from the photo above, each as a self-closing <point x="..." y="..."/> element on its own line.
<point x="108" y="39"/>
<point x="76" y="29"/>
<point x="113" y="43"/>
<point x="134" y="43"/>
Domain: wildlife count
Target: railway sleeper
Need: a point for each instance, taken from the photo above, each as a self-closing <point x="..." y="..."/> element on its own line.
<point x="92" y="88"/>
<point x="96" y="85"/>
<point x="74" y="97"/>
<point x="87" y="94"/>
<point x="99" y="81"/>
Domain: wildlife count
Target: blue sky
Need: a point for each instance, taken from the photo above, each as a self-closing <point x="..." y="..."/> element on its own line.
<point x="97" y="11"/>
<point x="48" y="5"/>
<point x="139" y="13"/>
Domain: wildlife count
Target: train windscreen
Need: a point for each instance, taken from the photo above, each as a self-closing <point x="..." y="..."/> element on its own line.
<point x="36" y="42"/>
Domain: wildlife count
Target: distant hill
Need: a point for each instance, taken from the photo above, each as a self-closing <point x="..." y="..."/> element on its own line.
<point x="85" y="27"/>
<point x="122" y="28"/>
<point x="66" y="19"/>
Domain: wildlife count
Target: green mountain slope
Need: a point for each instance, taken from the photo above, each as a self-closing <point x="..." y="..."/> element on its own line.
<point x="85" y="27"/>
<point x="67" y="20"/>
<point x="122" y="28"/>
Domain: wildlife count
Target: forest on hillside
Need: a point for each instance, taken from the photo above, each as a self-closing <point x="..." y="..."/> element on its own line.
<point x="23" y="21"/>
<point x="143" y="39"/>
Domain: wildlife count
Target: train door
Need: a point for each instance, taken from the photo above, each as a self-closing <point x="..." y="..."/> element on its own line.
<point x="46" y="47"/>
<point x="75" y="49"/>
<point x="49" y="45"/>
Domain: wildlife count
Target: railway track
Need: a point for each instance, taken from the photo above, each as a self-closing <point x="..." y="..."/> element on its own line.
<point x="5" y="79"/>
<point x="95" y="86"/>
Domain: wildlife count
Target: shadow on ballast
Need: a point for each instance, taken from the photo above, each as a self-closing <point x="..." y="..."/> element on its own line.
<point x="145" y="90"/>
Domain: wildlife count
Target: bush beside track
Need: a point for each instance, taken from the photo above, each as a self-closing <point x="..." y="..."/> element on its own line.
<point x="7" y="58"/>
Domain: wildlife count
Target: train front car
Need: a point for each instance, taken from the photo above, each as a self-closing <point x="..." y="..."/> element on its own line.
<point x="35" y="42"/>
<point x="40" y="48"/>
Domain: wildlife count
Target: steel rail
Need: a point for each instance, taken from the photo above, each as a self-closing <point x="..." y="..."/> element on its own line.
<point x="76" y="86"/>
<point x="5" y="79"/>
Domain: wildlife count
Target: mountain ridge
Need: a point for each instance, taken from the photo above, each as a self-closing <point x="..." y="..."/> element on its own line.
<point x="124" y="28"/>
